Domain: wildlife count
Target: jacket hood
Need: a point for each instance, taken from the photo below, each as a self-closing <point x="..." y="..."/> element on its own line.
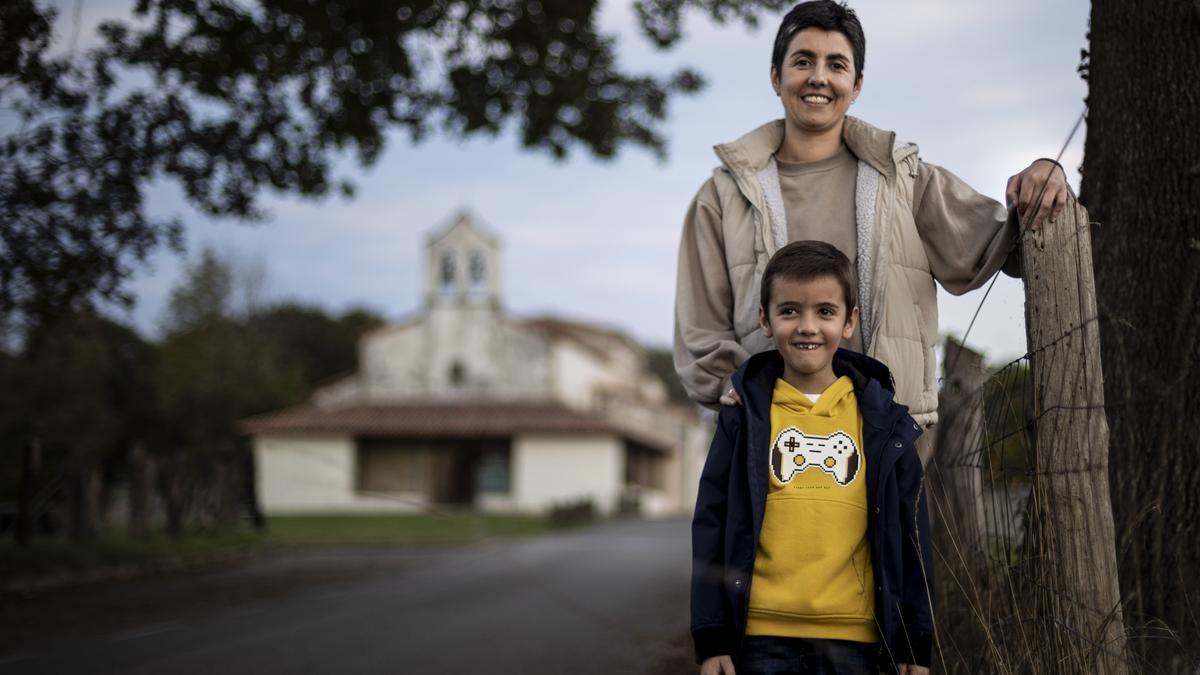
<point x="873" y="383"/>
<point x="749" y="154"/>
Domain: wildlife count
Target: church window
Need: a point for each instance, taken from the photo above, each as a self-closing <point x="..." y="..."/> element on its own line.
<point x="447" y="272"/>
<point x="478" y="269"/>
<point x="492" y="471"/>
<point x="478" y="275"/>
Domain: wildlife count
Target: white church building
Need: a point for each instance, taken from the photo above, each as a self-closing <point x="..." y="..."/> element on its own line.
<point x="465" y="406"/>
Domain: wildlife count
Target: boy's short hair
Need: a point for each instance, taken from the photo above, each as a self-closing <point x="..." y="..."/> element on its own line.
<point x="828" y="16"/>
<point x="804" y="260"/>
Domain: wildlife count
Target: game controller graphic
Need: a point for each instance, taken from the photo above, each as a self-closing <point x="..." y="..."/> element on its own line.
<point x="835" y="454"/>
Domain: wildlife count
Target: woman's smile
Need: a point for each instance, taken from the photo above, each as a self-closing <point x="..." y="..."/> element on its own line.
<point x="817" y="82"/>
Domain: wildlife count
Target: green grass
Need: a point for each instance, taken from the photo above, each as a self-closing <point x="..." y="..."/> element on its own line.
<point x="57" y="555"/>
<point x="47" y="557"/>
<point x="397" y="530"/>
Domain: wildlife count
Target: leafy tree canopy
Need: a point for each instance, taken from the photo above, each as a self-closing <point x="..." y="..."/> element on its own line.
<point x="219" y="362"/>
<point x="322" y="346"/>
<point x="230" y="98"/>
<point x="205" y="294"/>
<point x="86" y="396"/>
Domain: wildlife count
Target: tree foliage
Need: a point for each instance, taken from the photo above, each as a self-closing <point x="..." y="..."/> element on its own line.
<point x="213" y="369"/>
<point x="321" y="346"/>
<point x="220" y="363"/>
<point x="228" y="99"/>
<point x="86" y="396"/>
<point x="95" y="389"/>
<point x="205" y="295"/>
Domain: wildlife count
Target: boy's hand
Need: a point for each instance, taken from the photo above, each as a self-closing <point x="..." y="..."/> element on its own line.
<point x="721" y="665"/>
<point x="1038" y="192"/>
<point x="909" y="669"/>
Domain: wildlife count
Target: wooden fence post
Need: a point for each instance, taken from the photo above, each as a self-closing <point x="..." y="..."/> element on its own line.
<point x="1073" y="554"/>
<point x="956" y="475"/>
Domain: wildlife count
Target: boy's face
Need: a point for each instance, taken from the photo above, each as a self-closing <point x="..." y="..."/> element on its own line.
<point x="807" y="320"/>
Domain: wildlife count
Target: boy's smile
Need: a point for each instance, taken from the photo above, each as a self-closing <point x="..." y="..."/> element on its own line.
<point x="807" y="321"/>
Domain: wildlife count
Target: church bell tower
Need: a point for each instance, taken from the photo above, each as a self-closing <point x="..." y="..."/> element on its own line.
<point x="465" y="325"/>
<point x="462" y="266"/>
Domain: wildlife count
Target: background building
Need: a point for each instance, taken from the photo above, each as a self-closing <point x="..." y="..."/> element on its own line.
<point x="463" y="405"/>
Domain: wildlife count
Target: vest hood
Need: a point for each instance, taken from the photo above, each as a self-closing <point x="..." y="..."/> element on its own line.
<point x="749" y="154"/>
<point x="873" y="383"/>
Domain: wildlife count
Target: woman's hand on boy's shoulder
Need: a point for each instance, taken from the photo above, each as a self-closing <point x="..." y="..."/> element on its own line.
<point x="731" y="398"/>
<point x="910" y="669"/>
<point x="720" y="665"/>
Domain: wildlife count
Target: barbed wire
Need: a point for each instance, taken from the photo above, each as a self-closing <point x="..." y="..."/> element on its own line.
<point x="1017" y="240"/>
<point x="998" y="551"/>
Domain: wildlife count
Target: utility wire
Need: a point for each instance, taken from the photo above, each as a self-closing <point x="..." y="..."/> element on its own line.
<point x="1041" y="192"/>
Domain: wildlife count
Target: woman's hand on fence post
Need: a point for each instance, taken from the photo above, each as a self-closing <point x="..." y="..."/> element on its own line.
<point x="1038" y="192"/>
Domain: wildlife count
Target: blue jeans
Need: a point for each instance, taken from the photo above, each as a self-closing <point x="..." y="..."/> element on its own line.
<point x="767" y="655"/>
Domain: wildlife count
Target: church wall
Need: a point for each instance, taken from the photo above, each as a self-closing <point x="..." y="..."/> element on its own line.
<point x="556" y="468"/>
<point x="681" y="471"/>
<point x="652" y="389"/>
<point x="526" y="362"/>
<point x="462" y="338"/>
<point x="466" y="352"/>
<point x="344" y="390"/>
<point x="312" y="474"/>
<point x="475" y="353"/>
<point x="577" y="373"/>
<point x="391" y="363"/>
<point x="624" y="362"/>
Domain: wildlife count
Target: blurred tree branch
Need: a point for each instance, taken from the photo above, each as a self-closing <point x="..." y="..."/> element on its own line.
<point x="228" y="99"/>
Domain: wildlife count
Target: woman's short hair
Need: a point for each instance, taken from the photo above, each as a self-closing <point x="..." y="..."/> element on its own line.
<point x="826" y="15"/>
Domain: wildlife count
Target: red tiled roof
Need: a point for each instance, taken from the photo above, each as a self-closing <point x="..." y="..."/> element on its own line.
<point x="437" y="420"/>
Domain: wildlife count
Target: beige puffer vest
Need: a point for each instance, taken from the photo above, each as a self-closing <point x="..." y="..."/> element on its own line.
<point x="897" y="296"/>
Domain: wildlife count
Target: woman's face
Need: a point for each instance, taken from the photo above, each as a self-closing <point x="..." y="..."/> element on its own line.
<point x="817" y="82"/>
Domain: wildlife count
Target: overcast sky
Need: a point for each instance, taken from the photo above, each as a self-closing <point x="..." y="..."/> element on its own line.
<point x="982" y="87"/>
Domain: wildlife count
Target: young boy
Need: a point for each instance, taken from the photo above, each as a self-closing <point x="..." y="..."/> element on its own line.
<point x="810" y="541"/>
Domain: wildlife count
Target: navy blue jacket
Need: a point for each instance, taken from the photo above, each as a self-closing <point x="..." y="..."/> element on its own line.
<point x="733" y="497"/>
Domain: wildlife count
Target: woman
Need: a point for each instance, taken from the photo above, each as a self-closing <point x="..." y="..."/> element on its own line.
<point x="820" y="174"/>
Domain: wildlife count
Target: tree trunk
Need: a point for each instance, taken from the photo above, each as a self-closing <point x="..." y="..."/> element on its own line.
<point x="1073" y="564"/>
<point x="84" y="502"/>
<point x="31" y="455"/>
<point x="219" y="489"/>
<point x="140" y="481"/>
<point x="250" y="490"/>
<point x="1141" y="183"/>
<point x="171" y="482"/>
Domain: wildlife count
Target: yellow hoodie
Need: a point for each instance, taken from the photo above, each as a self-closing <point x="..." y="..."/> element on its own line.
<point x="812" y="574"/>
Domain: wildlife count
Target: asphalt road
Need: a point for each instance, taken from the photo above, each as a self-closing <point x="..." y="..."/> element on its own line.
<point x="607" y="599"/>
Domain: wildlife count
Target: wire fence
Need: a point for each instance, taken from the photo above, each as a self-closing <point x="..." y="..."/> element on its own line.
<point x="1025" y="542"/>
<point x="1018" y="483"/>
